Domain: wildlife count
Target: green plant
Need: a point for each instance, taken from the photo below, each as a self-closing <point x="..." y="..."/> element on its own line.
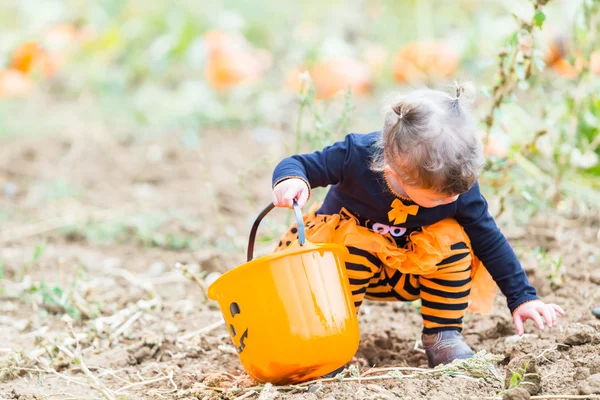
<point x="520" y="376"/>
<point x="552" y="267"/>
<point x="329" y="119"/>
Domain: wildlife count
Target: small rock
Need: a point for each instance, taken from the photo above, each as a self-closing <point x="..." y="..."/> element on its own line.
<point x="313" y="388"/>
<point x="157" y="268"/>
<point x="170" y="328"/>
<point x="268" y="392"/>
<point x="140" y="355"/>
<point x="10" y="189"/>
<point x="596" y="312"/>
<point x="517" y="393"/>
<point x="590" y="386"/>
<point x="578" y="334"/>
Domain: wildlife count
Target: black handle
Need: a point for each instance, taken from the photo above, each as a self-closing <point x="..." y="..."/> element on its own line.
<point x="299" y="220"/>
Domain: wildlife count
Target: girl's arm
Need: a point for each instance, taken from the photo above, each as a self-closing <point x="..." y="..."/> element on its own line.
<point x="319" y="169"/>
<point x="492" y="248"/>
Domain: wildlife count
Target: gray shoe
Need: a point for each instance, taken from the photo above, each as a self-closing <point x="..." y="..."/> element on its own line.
<point x="445" y="347"/>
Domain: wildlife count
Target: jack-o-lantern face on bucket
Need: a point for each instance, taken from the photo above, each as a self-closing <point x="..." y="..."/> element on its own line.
<point x="234" y="310"/>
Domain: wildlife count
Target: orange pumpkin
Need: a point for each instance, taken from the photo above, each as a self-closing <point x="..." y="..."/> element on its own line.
<point x="595" y="63"/>
<point x="232" y="61"/>
<point x="564" y="68"/>
<point x="424" y="61"/>
<point x="14" y="83"/>
<point x="557" y="51"/>
<point x="49" y="54"/>
<point x="25" y="56"/>
<point x="496" y="148"/>
<point x="332" y="77"/>
<point x="30" y="56"/>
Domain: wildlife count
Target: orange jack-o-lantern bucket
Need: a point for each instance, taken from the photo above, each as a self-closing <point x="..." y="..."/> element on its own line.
<point x="290" y="314"/>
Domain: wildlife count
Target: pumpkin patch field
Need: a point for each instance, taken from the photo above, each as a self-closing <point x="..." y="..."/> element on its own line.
<point x="137" y="144"/>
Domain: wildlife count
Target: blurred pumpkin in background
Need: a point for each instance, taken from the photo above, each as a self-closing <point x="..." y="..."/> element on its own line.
<point x="232" y="61"/>
<point x="425" y="61"/>
<point x="334" y="76"/>
<point x="557" y="50"/>
<point x="14" y="83"/>
<point x="26" y="56"/>
<point x="49" y="54"/>
<point x="496" y="148"/>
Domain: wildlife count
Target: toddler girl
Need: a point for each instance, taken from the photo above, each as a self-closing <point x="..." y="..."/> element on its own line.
<point x="406" y="203"/>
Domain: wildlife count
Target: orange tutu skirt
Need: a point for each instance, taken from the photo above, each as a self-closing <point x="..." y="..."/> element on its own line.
<point x="424" y="250"/>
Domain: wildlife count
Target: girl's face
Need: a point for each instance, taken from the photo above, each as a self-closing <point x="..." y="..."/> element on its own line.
<point x="428" y="198"/>
<point x="424" y="197"/>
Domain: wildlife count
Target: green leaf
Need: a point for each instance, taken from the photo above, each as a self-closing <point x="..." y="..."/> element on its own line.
<point x="38" y="251"/>
<point x="515" y="379"/>
<point x="539" y="18"/>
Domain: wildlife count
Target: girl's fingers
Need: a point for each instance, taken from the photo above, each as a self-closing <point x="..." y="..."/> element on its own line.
<point x="553" y="314"/>
<point x="288" y="198"/>
<point x="518" y="324"/>
<point x="303" y="198"/>
<point x="545" y="311"/>
<point x="535" y="315"/>
<point x="558" y="309"/>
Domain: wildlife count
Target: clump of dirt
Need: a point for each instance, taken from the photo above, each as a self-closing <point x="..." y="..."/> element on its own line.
<point x="578" y="334"/>
<point x="517" y="393"/>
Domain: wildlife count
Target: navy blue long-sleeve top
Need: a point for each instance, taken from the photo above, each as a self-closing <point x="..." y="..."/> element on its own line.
<point x="345" y="166"/>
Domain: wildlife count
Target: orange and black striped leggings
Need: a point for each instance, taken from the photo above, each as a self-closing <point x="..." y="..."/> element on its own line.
<point x="444" y="294"/>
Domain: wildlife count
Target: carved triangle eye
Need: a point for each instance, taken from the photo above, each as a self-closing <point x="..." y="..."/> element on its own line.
<point x="234" y="309"/>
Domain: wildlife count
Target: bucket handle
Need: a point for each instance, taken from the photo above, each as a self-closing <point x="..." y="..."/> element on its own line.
<point x="263" y="213"/>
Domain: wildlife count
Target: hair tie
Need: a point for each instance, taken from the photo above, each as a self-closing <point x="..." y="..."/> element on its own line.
<point x="398" y="111"/>
<point x="459" y="91"/>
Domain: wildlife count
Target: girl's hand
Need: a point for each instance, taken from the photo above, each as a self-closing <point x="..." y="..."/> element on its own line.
<point x="289" y="190"/>
<point x="538" y="311"/>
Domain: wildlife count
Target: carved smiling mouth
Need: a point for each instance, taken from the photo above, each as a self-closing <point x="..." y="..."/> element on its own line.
<point x="234" y="309"/>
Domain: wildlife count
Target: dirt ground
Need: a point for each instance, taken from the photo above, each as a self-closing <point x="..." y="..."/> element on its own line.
<point x="135" y="314"/>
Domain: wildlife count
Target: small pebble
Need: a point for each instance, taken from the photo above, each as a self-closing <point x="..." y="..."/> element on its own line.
<point x="313" y="388"/>
<point x="10" y="189"/>
<point x="596" y="312"/>
<point x="157" y="268"/>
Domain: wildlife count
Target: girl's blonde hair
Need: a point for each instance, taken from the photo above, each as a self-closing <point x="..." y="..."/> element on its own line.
<point x="430" y="140"/>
